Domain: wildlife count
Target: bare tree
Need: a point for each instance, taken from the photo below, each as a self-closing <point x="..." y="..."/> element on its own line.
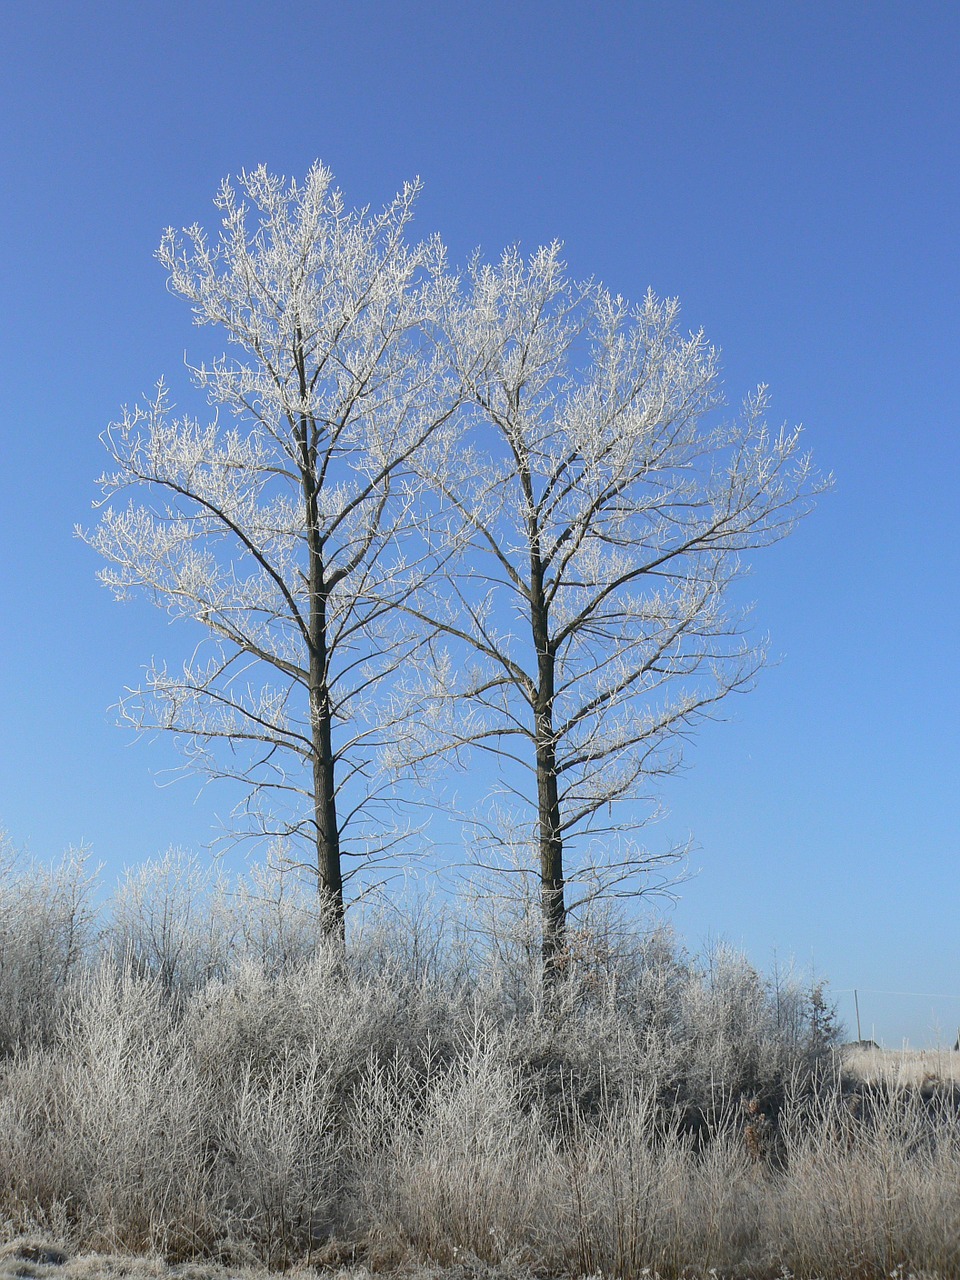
<point x="280" y="530"/>
<point x="600" y="522"/>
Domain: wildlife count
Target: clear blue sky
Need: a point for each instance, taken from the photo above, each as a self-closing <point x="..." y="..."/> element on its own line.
<point x="789" y="170"/>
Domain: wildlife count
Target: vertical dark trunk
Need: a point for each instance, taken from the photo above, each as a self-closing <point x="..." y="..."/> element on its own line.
<point x="553" y="909"/>
<point x="552" y="905"/>
<point x="329" y="870"/>
<point x="329" y="873"/>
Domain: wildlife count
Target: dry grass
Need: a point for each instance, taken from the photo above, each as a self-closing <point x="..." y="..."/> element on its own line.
<point x="38" y="1257"/>
<point x="902" y="1068"/>
<point x="307" y="1119"/>
<point x="240" y="1104"/>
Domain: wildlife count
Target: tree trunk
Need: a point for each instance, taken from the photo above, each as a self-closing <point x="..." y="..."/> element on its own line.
<point x="552" y="906"/>
<point x="553" y="909"/>
<point x="329" y="871"/>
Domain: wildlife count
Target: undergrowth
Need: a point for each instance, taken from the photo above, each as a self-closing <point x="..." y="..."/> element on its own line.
<point x="190" y="1072"/>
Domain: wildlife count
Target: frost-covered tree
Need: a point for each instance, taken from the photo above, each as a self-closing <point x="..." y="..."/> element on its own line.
<point x="600" y="515"/>
<point x="278" y="525"/>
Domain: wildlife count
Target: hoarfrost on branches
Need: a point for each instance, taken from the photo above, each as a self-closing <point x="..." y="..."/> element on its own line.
<point x="281" y="525"/>
<point x="599" y="522"/>
<point x="431" y="516"/>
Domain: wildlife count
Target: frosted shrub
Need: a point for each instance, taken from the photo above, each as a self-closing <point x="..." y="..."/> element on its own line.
<point x="109" y="1121"/>
<point x="276" y="1156"/>
<point x="474" y="1170"/>
<point x="233" y="1087"/>
<point x="643" y="1198"/>
<point x="171" y="920"/>
<point x="874" y="1184"/>
<point x="277" y="916"/>
<point x="46" y="933"/>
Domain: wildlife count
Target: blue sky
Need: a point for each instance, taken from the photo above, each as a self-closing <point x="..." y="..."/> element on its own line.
<point x="789" y="170"/>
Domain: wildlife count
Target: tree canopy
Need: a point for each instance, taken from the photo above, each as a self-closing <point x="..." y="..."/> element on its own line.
<point x="497" y="512"/>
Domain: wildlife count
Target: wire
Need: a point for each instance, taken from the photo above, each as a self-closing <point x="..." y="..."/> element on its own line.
<point x="873" y="991"/>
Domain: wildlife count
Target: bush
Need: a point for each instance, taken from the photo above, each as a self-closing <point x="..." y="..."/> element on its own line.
<point x="206" y="1082"/>
<point x="46" y="935"/>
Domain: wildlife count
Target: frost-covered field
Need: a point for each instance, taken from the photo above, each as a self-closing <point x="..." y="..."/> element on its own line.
<point x="903" y="1068"/>
<point x="192" y="1076"/>
<point x="39" y="1258"/>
